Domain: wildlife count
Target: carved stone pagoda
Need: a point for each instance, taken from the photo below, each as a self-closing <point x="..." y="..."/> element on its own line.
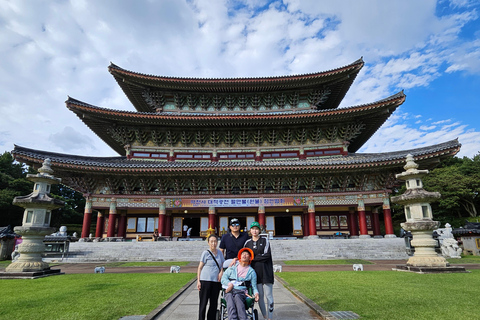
<point x="36" y="225"/>
<point x="420" y="223"/>
<point x="197" y="152"/>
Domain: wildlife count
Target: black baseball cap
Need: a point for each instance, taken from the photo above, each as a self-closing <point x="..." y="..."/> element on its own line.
<point x="234" y="221"/>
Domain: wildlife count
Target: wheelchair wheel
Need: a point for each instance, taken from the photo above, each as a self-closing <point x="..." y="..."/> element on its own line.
<point x="222" y="315"/>
<point x="255" y="314"/>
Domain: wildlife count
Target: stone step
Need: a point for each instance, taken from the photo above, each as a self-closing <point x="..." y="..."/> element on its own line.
<point x="308" y="249"/>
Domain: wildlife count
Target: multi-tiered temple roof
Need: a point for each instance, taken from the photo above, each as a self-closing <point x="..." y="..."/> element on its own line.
<point x="248" y="135"/>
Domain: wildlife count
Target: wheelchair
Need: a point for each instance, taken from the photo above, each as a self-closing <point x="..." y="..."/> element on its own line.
<point x="252" y="313"/>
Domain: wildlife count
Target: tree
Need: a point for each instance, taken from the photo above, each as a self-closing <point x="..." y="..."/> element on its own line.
<point x="458" y="181"/>
<point x="72" y="212"/>
<point x="12" y="183"/>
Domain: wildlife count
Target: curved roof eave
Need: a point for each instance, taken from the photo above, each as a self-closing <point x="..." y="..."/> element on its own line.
<point x="133" y="84"/>
<point x="262" y="82"/>
<point x="123" y="165"/>
<point x="226" y="119"/>
<point x="100" y="119"/>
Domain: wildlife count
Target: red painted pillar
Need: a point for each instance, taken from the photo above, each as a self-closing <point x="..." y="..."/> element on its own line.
<point x="306" y="229"/>
<point x="258" y="156"/>
<point x="100" y="225"/>
<point x="161" y="217"/>
<point x="363" y="223"/>
<point x="387" y="218"/>
<point x="352" y="215"/>
<point x="362" y="219"/>
<point x="122" y="225"/>
<point x="87" y="218"/>
<point x="112" y="218"/>
<point x="212" y="217"/>
<point x="261" y="216"/>
<point x="311" y="217"/>
<point x="168" y="225"/>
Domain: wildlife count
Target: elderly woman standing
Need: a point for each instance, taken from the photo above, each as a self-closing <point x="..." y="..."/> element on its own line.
<point x="209" y="274"/>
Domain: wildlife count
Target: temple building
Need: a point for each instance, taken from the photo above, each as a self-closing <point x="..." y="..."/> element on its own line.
<point x="198" y="152"/>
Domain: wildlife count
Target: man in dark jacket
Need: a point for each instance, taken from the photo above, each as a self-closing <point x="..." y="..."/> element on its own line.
<point x="233" y="241"/>
<point x="263" y="265"/>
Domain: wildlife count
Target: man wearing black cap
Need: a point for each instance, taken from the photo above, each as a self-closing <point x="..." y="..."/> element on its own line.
<point x="233" y="241"/>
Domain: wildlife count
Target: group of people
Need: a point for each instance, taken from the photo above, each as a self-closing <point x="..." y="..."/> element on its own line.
<point x="249" y="260"/>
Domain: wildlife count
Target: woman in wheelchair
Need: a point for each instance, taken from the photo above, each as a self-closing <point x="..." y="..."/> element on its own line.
<point x="236" y="280"/>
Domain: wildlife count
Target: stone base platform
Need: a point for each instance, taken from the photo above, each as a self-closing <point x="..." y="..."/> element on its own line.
<point x="300" y="249"/>
<point x="406" y="268"/>
<point x="30" y="275"/>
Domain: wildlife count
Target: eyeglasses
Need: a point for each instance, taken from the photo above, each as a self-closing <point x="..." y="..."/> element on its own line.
<point x="235" y="225"/>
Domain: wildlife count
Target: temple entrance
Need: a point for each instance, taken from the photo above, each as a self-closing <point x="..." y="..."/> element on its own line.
<point x="193" y="223"/>
<point x="283" y="226"/>
<point x="243" y="223"/>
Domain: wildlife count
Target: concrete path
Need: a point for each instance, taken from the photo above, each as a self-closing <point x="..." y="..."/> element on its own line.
<point x="287" y="306"/>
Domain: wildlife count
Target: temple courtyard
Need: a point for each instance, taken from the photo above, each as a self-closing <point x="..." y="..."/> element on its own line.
<point x="137" y="289"/>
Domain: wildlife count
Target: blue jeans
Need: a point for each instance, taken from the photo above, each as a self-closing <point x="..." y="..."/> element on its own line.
<point x="265" y="290"/>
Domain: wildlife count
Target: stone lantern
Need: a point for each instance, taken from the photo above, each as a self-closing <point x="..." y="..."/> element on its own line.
<point x="420" y="223"/>
<point x="36" y="223"/>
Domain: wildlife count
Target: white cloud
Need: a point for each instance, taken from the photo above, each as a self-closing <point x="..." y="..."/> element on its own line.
<point x="399" y="134"/>
<point x="71" y="141"/>
<point x="52" y="49"/>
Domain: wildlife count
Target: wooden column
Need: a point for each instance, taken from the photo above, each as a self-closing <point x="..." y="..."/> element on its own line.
<point x="112" y="218"/>
<point x="168" y="225"/>
<point x="387" y="218"/>
<point x="87" y="218"/>
<point x="362" y="220"/>
<point x="353" y="219"/>
<point x="302" y="155"/>
<point x="311" y="217"/>
<point x="212" y="217"/>
<point x="306" y="228"/>
<point x="261" y="216"/>
<point x="258" y="156"/>
<point x="161" y="217"/>
<point x="122" y="225"/>
<point x="100" y="225"/>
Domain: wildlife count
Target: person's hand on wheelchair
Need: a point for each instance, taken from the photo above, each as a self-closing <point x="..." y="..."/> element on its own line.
<point x="255" y="295"/>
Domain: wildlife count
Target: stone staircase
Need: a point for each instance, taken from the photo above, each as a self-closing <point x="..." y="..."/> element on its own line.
<point x="308" y="249"/>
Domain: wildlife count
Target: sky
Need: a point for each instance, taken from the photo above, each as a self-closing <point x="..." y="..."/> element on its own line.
<point x="52" y="49"/>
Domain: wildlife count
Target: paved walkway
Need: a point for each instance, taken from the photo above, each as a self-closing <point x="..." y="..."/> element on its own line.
<point x="287" y="306"/>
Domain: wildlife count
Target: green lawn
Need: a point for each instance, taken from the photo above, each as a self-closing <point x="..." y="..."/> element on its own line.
<point x="88" y="296"/>
<point x="147" y="264"/>
<point x="4" y="263"/>
<point x="371" y="294"/>
<point x="391" y="295"/>
<point x="465" y="259"/>
<point x="325" y="262"/>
